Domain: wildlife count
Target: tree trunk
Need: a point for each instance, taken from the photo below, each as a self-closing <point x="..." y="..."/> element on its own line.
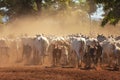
<point x="39" y="4"/>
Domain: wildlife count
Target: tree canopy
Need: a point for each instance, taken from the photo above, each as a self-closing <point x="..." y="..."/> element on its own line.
<point x="29" y="5"/>
<point x="24" y="7"/>
<point x="112" y="11"/>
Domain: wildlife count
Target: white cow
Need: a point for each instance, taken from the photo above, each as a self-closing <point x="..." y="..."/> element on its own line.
<point x="117" y="43"/>
<point x="41" y="45"/>
<point x="108" y="54"/>
<point x="117" y="55"/>
<point x="59" y="46"/>
<point x="79" y="45"/>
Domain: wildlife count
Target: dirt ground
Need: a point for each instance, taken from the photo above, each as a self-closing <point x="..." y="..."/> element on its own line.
<point x="38" y="73"/>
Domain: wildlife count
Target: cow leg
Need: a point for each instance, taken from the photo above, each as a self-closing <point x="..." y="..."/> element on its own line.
<point x="67" y="61"/>
<point x="23" y="54"/>
<point x="94" y="60"/>
<point x="105" y="58"/>
<point x="37" y="58"/>
<point x="54" y="59"/>
<point x="81" y="61"/>
<point x="58" y="60"/>
<point x="43" y="59"/>
<point x="40" y="58"/>
<point x="78" y="65"/>
<point x="100" y="60"/>
<point x="88" y="62"/>
<point x="115" y="64"/>
<point x="73" y="59"/>
<point x="109" y="61"/>
<point x="118" y="60"/>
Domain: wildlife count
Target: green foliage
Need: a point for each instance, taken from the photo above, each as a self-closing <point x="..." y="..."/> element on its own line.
<point x="0" y="19"/>
<point x="112" y="10"/>
<point x="23" y="7"/>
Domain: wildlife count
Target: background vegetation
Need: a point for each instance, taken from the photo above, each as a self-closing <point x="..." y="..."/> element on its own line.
<point x="17" y="8"/>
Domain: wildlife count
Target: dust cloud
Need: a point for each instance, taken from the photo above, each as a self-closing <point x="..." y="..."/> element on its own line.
<point x="52" y="25"/>
<point x="56" y="24"/>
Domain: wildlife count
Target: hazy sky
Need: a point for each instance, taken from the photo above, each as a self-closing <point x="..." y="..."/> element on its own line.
<point x="98" y="14"/>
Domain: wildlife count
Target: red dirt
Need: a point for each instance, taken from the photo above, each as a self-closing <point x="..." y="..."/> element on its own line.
<point x="38" y="73"/>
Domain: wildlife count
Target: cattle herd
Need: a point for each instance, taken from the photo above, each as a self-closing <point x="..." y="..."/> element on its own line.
<point x="75" y="50"/>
